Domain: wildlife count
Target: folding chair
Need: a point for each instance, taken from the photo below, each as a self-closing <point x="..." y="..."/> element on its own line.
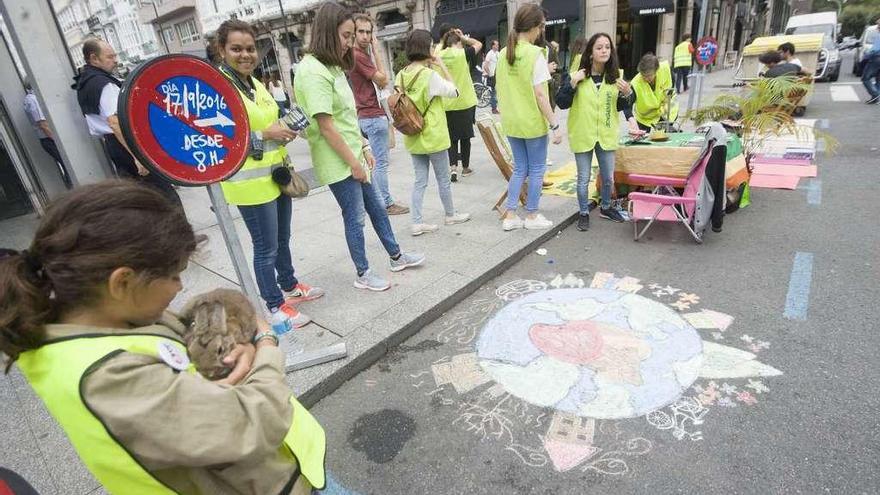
<point x="669" y="207"/>
<point x="501" y="156"/>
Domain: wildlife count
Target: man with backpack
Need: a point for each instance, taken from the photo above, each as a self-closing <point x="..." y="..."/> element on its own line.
<point x="365" y="78"/>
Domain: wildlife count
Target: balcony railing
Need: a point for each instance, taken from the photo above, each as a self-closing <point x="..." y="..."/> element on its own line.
<point x="160" y="11"/>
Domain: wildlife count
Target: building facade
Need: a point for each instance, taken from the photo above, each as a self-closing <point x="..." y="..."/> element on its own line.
<point x="117" y="22"/>
<point x="176" y="24"/>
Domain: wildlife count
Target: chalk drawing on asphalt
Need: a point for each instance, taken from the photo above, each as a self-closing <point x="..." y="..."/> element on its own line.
<point x="555" y="371"/>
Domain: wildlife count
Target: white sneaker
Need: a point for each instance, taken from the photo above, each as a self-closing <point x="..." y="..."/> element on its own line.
<point x="537" y="223"/>
<point x="457" y="218"/>
<point x="453" y="173"/>
<point x="423" y="228"/>
<point x="512" y="223"/>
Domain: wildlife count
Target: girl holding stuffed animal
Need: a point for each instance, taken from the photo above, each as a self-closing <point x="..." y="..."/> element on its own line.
<point x="83" y="314"/>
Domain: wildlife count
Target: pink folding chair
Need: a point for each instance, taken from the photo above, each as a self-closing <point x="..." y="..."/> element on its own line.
<point x="663" y="204"/>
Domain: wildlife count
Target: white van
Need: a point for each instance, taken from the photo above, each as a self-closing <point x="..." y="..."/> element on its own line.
<point x="825" y="23"/>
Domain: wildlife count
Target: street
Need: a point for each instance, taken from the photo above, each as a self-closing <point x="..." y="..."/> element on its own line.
<point x="743" y="365"/>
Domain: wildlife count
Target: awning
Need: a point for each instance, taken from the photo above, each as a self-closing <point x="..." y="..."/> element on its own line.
<point x="651" y="7"/>
<point x="478" y="22"/>
<point x="561" y="11"/>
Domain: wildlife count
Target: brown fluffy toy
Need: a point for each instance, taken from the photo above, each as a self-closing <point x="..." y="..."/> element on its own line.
<point x="215" y="322"/>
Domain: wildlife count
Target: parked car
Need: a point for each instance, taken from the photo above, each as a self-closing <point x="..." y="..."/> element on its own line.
<point x="869" y="37"/>
<point x="825" y="23"/>
<point x="848" y="43"/>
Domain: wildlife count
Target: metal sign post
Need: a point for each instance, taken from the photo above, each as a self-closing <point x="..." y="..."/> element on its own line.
<point x="185" y="121"/>
<point x="701" y="74"/>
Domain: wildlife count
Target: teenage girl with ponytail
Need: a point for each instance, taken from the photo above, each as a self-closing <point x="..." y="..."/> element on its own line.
<point x="83" y="314"/>
<point x="523" y="96"/>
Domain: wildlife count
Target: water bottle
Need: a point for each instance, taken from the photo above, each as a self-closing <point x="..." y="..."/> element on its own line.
<point x="287" y="339"/>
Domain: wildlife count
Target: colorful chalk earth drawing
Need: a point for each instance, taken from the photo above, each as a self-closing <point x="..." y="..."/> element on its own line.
<point x="554" y="371"/>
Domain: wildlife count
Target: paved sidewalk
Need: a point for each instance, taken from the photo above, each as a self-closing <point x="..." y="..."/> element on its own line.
<point x="459" y="259"/>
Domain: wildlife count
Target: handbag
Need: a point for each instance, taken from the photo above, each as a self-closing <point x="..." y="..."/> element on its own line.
<point x="289" y="181"/>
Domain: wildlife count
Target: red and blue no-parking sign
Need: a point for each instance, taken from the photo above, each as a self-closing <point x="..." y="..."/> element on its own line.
<point x="707" y="50"/>
<point x="184" y="120"/>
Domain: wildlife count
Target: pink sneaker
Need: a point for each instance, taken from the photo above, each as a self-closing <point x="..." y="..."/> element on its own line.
<point x="302" y="293"/>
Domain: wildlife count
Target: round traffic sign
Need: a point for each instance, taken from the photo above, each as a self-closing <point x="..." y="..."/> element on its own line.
<point x="184" y="120"/>
<point x="707" y="50"/>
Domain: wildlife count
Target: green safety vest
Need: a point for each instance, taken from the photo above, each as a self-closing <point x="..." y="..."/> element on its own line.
<point x="253" y="184"/>
<point x="594" y="117"/>
<point x="456" y="61"/>
<point x="56" y="371"/>
<point x="520" y="115"/>
<point x="682" y="55"/>
<point x="651" y="102"/>
<point x="435" y="135"/>
<point x="575" y="63"/>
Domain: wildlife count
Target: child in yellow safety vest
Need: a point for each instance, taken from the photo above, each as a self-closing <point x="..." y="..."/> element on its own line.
<point x="459" y="53"/>
<point x="521" y="80"/>
<point x="425" y="80"/>
<point x="83" y="314"/>
<point x="596" y="101"/>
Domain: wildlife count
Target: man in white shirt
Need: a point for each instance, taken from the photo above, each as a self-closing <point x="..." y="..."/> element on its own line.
<point x="44" y="132"/>
<point x="787" y="52"/>
<point x="97" y="92"/>
<point x="490" y="63"/>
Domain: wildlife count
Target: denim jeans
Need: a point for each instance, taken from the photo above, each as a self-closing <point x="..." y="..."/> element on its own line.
<point x="870" y="73"/>
<point x="376" y="130"/>
<point x="490" y="81"/>
<point x="681" y="78"/>
<point x="440" y="162"/>
<point x="354" y="198"/>
<point x="584" y="167"/>
<point x="529" y="160"/>
<point x="269" y="226"/>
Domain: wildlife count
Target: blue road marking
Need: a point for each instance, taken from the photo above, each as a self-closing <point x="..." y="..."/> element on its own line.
<point x="798" y="299"/>
<point x="334" y="488"/>
<point x="814" y="192"/>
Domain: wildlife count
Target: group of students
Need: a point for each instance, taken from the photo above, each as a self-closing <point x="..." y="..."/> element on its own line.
<point x="83" y="309"/>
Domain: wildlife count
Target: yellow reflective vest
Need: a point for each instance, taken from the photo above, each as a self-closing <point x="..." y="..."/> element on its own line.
<point x="652" y="102"/>
<point x="682" y="55"/>
<point x="456" y="61"/>
<point x="56" y="370"/>
<point x="594" y="117"/>
<point x="520" y="115"/>
<point x="253" y="184"/>
<point x="415" y="81"/>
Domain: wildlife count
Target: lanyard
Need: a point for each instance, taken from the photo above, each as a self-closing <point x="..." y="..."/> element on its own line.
<point x="245" y="88"/>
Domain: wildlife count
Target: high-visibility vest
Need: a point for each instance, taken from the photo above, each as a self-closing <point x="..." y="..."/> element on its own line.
<point x="575" y="63"/>
<point x="56" y="371"/>
<point x="682" y="55"/>
<point x="520" y="115"/>
<point x="253" y="184"/>
<point x="435" y="135"/>
<point x="594" y="117"/>
<point x="456" y="61"/>
<point x="651" y="103"/>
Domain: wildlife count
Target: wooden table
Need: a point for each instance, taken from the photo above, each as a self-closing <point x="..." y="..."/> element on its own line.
<point x="674" y="158"/>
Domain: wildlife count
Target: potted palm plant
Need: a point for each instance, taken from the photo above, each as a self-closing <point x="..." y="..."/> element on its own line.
<point x="762" y="109"/>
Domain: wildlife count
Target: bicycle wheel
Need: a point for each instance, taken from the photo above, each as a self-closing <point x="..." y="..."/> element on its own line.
<point x="484" y="95"/>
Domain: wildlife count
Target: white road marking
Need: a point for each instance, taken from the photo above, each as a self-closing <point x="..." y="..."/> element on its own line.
<point x="844" y="93"/>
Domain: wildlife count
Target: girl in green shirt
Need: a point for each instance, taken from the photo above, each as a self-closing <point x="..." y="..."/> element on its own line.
<point x="341" y="156"/>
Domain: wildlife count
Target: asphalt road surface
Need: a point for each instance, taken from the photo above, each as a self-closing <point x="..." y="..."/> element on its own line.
<point x="575" y="372"/>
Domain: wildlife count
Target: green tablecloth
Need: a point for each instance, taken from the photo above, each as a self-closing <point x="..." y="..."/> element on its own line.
<point x="690" y="139"/>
